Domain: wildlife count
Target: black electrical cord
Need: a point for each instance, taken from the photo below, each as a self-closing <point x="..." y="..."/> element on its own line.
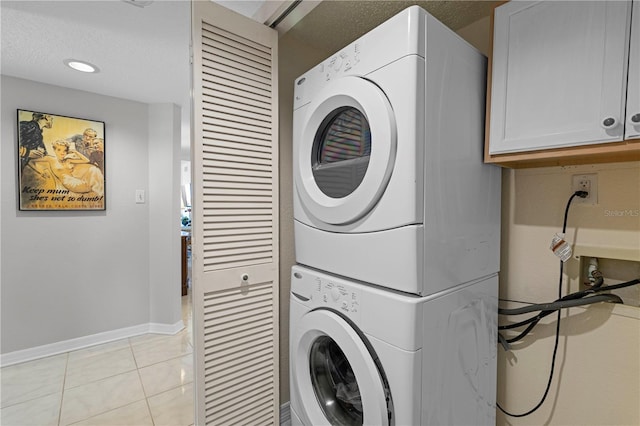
<point x="605" y="288"/>
<point x="527" y="330"/>
<point x="582" y="194"/>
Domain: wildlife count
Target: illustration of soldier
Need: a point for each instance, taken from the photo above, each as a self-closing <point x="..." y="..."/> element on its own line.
<point x="84" y="142"/>
<point x="97" y="153"/>
<point x="31" y="141"/>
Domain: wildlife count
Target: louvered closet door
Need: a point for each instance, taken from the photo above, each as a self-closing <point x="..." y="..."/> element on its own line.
<point x="235" y="233"/>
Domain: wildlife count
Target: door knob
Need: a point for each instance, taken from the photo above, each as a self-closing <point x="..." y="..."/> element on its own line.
<point x="609" y="123"/>
<point x="635" y="119"/>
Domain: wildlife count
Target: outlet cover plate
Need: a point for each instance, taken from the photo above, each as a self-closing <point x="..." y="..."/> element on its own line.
<point x="587" y="182"/>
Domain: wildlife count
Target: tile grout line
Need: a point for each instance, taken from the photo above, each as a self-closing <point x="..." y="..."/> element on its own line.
<point x="130" y="345"/>
<point x="109" y="377"/>
<point x="101" y="378"/>
<point x="64" y="380"/>
<point x="32" y="398"/>
<point x="144" y="391"/>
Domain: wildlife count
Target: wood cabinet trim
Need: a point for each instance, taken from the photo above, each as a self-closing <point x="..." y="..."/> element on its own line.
<point x="628" y="150"/>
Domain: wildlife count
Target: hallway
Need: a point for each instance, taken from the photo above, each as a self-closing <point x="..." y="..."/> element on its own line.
<point x="143" y="380"/>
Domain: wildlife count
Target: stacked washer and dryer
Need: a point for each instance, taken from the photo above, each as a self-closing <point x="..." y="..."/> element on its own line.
<point x="397" y="231"/>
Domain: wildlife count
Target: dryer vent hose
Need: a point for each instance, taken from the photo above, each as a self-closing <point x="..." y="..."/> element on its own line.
<point x="561" y="304"/>
<point x="579" y="298"/>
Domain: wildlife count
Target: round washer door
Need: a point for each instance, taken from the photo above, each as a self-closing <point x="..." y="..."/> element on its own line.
<point x="347" y="150"/>
<point x="335" y="375"/>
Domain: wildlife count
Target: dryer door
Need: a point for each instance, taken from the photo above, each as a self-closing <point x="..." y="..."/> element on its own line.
<point x="346" y="150"/>
<point x="335" y="375"/>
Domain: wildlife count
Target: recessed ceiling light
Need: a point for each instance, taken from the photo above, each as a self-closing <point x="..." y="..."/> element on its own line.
<point x="81" y="65"/>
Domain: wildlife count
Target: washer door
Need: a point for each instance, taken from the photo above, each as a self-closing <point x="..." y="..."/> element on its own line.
<point x="346" y="150"/>
<point x="335" y="374"/>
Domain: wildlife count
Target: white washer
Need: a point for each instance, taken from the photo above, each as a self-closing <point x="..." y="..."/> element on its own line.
<point x="363" y="355"/>
<point x="389" y="182"/>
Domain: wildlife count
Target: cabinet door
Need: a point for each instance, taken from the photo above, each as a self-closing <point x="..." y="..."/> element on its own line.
<point x="632" y="126"/>
<point x="559" y="74"/>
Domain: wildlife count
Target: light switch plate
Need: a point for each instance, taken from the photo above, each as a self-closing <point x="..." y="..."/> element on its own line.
<point x="139" y="196"/>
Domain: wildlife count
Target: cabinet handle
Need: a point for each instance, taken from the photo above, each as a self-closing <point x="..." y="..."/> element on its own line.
<point x="609" y="123"/>
<point x="635" y="119"/>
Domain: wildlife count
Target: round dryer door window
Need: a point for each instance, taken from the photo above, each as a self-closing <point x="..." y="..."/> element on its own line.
<point x="335" y="375"/>
<point x="341" y="152"/>
<point x="346" y="151"/>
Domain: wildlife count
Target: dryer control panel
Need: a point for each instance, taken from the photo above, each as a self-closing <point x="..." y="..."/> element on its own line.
<point x="341" y="62"/>
<point x="402" y="35"/>
<point x="345" y="62"/>
<point x="321" y="290"/>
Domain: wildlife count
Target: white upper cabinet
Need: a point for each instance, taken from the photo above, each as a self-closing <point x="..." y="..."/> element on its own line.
<point x="559" y="74"/>
<point x="632" y="125"/>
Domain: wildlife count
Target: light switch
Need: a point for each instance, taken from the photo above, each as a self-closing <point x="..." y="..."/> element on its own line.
<point x="139" y="196"/>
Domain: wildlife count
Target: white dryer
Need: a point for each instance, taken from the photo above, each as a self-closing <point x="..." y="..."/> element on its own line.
<point x="363" y="355"/>
<point x="389" y="182"/>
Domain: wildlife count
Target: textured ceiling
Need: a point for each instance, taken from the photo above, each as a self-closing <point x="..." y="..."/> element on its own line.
<point x="143" y="53"/>
<point x="335" y="23"/>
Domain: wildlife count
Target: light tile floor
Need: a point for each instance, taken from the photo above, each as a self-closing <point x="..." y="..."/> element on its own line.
<point x="143" y="380"/>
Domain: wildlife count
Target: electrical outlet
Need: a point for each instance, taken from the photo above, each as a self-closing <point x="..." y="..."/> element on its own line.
<point x="585" y="182"/>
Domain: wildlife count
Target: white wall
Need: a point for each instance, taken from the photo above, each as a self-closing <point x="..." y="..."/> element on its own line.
<point x="164" y="213"/>
<point x="69" y="275"/>
<point x="185" y="172"/>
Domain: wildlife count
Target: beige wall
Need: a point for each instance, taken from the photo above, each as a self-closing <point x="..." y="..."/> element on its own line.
<point x="295" y="58"/>
<point x="597" y="377"/>
<point x="477" y="34"/>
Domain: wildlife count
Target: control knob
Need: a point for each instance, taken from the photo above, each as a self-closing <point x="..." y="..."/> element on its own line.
<point x="335" y="294"/>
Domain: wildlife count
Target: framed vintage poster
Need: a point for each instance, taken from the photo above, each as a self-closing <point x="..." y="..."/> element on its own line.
<point x="60" y="162"/>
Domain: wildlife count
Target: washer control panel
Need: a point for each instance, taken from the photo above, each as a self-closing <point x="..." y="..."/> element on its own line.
<point x="318" y="290"/>
<point x="337" y="296"/>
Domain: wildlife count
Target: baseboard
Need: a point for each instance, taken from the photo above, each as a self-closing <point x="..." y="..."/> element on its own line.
<point x="285" y="414"/>
<point x="56" y="348"/>
<point x="157" y="328"/>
